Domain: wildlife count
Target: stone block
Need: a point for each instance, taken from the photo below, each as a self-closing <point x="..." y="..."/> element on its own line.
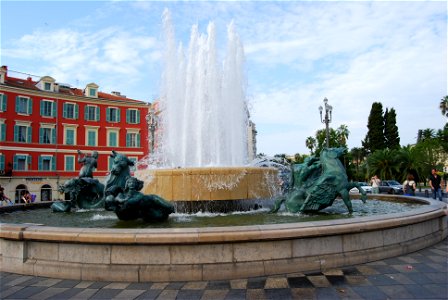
<point x="57" y="269"/>
<point x="181" y="187"/>
<point x="364" y="240"/>
<point x="205" y="254"/>
<point x="199" y="188"/>
<point x="85" y="253"/>
<point x="283" y="266"/>
<point x="317" y="246"/>
<point x="42" y="250"/>
<point x="140" y="255"/>
<point x="99" y="272"/>
<point x="259" y="251"/>
<point x="164" y="186"/>
<point x="164" y="273"/>
<point x="233" y="270"/>
<point x="14" y="249"/>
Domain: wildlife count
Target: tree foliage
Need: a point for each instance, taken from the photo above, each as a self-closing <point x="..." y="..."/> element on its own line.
<point x="391" y="130"/>
<point x="444" y="106"/>
<point x="374" y="139"/>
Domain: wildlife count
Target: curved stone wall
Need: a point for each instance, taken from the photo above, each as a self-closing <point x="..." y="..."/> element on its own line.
<point x="217" y="252"/>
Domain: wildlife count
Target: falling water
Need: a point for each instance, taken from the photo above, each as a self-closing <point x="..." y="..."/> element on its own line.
<point x="203" y="109"/>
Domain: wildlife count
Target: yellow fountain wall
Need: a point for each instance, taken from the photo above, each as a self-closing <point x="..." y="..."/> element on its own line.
<point x="217" y="183"/>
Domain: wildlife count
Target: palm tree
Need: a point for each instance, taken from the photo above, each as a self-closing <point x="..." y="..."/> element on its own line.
<point x="343" y="134"/>
<point x="310" y="143"/>
<point x="383" y="163"/>
<point x="444" y="106"/>
<point x="428" y="134"/>
<point x="411" y="162"/>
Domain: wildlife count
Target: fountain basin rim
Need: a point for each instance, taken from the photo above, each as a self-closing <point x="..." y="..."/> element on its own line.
<point x="174" y="236"/>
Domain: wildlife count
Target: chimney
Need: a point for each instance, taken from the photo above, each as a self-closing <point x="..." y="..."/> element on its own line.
<point x="118" y="94"/>
<point x="3" y="74"/>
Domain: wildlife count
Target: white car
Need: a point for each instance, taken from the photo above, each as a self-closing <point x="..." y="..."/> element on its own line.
<point x="367" y="188"/>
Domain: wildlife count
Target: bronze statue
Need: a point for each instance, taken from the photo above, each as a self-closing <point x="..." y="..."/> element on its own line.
<point x="132" y="204"/>
<point x="85" y="191"/>
<point x="317" y="182"/>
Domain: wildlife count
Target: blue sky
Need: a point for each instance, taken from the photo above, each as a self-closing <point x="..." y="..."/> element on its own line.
<point x="297" y="53"/>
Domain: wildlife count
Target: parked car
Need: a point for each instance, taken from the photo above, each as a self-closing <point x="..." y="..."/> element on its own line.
<point x="367" y="188"/>
<point x="391" y="187"/>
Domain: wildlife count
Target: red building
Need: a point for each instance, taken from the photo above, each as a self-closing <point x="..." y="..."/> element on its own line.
<point x="43" y="123"/>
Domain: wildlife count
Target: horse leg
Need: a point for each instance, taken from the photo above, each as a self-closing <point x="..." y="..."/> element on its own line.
<point x="346" y="198"/>
<point x="360" y="189"/>
<point x="277" y="204"/>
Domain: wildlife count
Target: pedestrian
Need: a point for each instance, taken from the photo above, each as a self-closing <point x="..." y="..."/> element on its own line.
<point x="409" y="186"/>
<point x="434" y="182"/>
<point x="3" y="197"/>
<point x="375" y="182"/>
<point x="26" y="197"/>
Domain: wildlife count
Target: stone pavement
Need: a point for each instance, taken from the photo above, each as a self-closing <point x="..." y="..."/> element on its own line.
<point x="418" y="275"/>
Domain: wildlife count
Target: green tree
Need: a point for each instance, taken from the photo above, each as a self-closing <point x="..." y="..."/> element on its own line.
<point x="444" y="106"/>
<point x="310" y="143"/>
<point x="343" y="133"/>
<point x="384" y="163"/>
<point x="357" y="157"/>
<point x="375" y="129"/>
<point x="410" y="161"/>
<point x="391" y="130"/>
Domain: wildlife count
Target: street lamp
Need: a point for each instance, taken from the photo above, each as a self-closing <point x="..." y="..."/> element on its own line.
<point x="327" y="119"/>
<point x="152" y="122"/>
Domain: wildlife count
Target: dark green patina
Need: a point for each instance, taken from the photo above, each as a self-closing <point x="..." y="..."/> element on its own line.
<point x="317" y="182"/>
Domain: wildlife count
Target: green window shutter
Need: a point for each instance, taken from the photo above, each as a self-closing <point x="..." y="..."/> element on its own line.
<point x="14" y="166"/>
<point x="97" y="113"/>
<point x="138" y="140"/>
<point x="3" y="132"/>
<point x="112" y="139"/>
<point x="128" y="139"/>
<point x="28" y="129"/>
<point x="64" y="110"/>
<point x="53" y="163"/>
<point x="76" y="111"/>
<point x="28" y="159"/>
<point x="4" y="102"/>
<point x="41" y="107"/>
<point x="16" y="133"/>
<point x="17" y="103"/>
<point x="54" y="107"/>
<point x="118" y="115"/>
<point x="2" y="162"/>
<point x="40" y="163"/>
<point x="128" y="116"/>
<point x="138" y="117"/>
<point x="86" y="113"/>
<point x="70" y="138"/>
<point x="30" y="106"/>
<point x="108" y="114"/>
<point x="41" y="135"/>
<point x="53" y="136"/>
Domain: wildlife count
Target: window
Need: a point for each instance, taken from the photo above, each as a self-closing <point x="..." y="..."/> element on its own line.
<point x="70" y="136"/>
<point x="24" y="105"/>
<point x="47" y="108"/>
<point x="22" y="133"/>
<point x="46" y="193"/>
<point x="47" y="163"/>
<point x="112" y="139"/>
<point x="91" y="138"/>
<point x="47" y="135"/>
<point x="3" y="102"/>
<point x="2" y="132"/>
<point x="47" y="86"/>
<point x="2" y="164"/>
<point x="92" y="113"/>
<point x="70" y="111"/>
<point x="133" y="139"/>
<point x="113" y="114"/>
<point x="69" y="163"/>
<point x="133" y="116"/>
<point x="21" y="162"/>
<point x="92" y="92"/>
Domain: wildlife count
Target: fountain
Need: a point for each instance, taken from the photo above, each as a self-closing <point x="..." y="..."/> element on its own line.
<point x="220" y="252"/>
<point x="203" y="125"/>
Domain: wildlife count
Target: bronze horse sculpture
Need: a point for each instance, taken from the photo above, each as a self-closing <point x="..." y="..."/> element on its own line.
<point x="317" y="182"/>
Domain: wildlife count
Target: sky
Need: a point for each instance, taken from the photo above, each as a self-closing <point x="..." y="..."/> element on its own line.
<point x="297" y="53"/>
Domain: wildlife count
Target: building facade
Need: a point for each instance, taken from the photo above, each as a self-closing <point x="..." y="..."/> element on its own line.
<point x="44" y="123"/>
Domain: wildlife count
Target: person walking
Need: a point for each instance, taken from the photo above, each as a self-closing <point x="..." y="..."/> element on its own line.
<point x="375" y="182"/>
<point x="409" y="186"/>
<point x="434" y="182"/>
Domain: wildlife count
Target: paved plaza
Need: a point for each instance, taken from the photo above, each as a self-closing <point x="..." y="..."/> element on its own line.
<point x="418" y="275"/>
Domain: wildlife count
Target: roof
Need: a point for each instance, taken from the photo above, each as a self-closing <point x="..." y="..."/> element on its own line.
<point x="30" y="84"/>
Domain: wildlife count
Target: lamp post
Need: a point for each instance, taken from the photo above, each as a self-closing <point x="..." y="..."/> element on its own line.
<point x="152" y="122"/>
<point x="327" y="119"/>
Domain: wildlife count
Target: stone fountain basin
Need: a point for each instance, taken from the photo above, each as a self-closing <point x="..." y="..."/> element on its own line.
<point x="218" y="253"/>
